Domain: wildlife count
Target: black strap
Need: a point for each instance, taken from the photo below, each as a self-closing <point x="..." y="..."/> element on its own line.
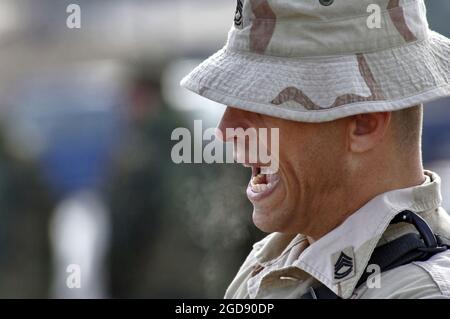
<point x="401" y="251"/>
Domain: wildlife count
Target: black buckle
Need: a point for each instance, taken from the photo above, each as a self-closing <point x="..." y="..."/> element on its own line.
<point x="433" y="245"/>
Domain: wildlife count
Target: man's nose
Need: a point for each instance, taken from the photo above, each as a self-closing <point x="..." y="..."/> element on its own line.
<point x="232" y="119"/>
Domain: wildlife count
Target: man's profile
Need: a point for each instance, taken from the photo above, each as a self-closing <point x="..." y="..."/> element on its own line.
<point x="351" y="193"/>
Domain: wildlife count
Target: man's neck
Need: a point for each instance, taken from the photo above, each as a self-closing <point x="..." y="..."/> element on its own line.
<point x="357" y="192"/>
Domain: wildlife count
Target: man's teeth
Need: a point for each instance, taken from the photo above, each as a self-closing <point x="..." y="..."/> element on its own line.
<point x="259" y="188"/>
<point x="258" y="179"/>
<point x="259" y="183"/>
<point x="263" y="179"/>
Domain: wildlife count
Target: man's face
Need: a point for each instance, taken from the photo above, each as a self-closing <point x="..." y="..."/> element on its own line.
<point x="311" y="164"/>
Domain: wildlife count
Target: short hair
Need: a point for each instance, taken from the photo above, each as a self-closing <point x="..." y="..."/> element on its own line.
<point x="407" y="125"/>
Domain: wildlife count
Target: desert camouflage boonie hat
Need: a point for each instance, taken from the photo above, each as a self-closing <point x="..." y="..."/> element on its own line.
<point x="320" y="60"/>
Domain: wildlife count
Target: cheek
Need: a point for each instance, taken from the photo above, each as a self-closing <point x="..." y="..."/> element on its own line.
<point x="306" y="166"/>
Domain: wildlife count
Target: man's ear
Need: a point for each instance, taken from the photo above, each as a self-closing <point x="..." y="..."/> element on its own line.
<point x="367" y="130"/>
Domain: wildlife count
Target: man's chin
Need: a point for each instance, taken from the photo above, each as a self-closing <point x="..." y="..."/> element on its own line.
<point x="264" y="220"/>
<point x="267" y="212"/>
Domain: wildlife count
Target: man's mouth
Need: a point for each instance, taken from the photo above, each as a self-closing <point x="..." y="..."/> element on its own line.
<point x="262" y="183"/>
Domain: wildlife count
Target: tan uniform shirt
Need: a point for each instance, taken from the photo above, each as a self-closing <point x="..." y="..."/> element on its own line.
<point x="286" y="266"/>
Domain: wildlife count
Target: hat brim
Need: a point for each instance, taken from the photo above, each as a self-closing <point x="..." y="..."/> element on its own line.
<point x="320" y="89"/>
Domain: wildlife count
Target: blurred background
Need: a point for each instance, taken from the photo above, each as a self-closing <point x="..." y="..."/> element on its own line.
<point x="86" y="176"/>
